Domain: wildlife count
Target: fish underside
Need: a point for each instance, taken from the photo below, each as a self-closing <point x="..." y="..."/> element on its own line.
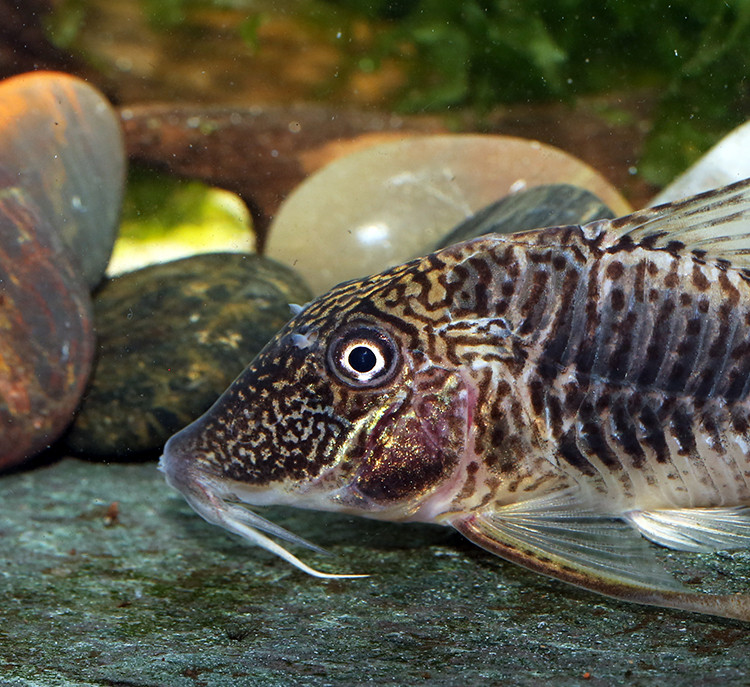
<point x="558" y="396"/>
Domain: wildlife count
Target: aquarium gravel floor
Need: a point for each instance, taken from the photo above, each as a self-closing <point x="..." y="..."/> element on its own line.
<point x="107" y="578"/>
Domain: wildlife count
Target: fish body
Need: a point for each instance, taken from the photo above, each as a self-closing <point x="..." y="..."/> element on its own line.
<point x="556" y="395"/>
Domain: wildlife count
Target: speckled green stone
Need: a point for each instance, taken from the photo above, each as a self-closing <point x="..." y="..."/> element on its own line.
<point x="551" y="205"/>
<point x="171" y="338"/>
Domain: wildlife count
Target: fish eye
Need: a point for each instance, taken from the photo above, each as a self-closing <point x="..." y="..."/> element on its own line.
<point x="363" y="356"/>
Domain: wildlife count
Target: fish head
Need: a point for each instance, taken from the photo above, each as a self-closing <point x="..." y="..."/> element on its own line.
<point x="344" y="410"/>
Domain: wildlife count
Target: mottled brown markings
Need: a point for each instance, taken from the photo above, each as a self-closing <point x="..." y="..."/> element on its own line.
<point x="507" y="459"/>
<point x="651" y="240"/>
<point x="625" y="434"/>
<point x="723" y="264"/>
<point x="654" y="434"/>
<point x="615" y="270"/>
<point x="617" y="299"/>
<point x="410" y="331"/>
<point x="516" y="412"/>
<point x="612" y="431"/>
<point x="484" y="280"/>
<point x="617" y="367"/>
<point x="483" y="385"/>
<point x="458" y="274"/>
<point x="713" y="429"/>
<point x="559" y="262"/>
<point x="720" y="346"/>
<point x="740" y="422"/>
<point x="658" y="345"/>
<point x="281" y="436"/>
<point x="514" y="270"/>
<point x="603" y="402"/>
<point x="470" y="484"/>
<point x="499" y="434"/>
<point x="539" y="257"/>
<point x="503" y="256"/>
<point x="738" y="379"/>
<point x="574" y="395"/>
<point x="639" y="283"/>
<point x="520" y="354"/>
<point x="698" y="278"/>
<point x="536" y="395"/>
<point x="560" y="333"/>
<point x="532" y="309"/>
<point x="501" y="308"/>
<point x="675" y="247"/>
<point x="693" y="327"/>
<point x="671" y="280"/>
<point x="707" y="380"/>
<point x="568" y="450"/>
<point x="503" y="389"/>
<point x="619" y="223"/>
<point x="593" y="438"/>
<point x="425" y="281"/>
<point x="556" y="415"/>
<point x="729" y="290"/>
<point x="585" y="357"/>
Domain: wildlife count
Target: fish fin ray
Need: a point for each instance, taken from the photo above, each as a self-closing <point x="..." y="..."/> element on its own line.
<point x="716" y="223"/>
<point x="563" y="538"/>
<point x="567" y="534"/>
<point x="695" y="529"/>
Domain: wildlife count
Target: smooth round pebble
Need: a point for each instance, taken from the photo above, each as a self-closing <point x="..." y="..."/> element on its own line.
<point x="553" y="205"/>
<point x="46" y="333"/>
<point x="386" y="204"/>
<point x="61" y="182"/>
<point x="61" y="141"/>
<point x="171" y="338"/>
<point x="728" y="161"/>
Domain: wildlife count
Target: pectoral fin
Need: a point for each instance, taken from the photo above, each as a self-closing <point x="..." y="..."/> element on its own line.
<point x="560" y="537"/>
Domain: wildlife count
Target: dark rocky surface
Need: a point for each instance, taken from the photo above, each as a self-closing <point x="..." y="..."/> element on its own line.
<point x="144" y="592"/>
<point x="551" y="205"/>
<point x="171" y="338"/>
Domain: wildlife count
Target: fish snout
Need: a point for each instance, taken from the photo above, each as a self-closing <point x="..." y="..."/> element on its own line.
<point x="177" y="462"/>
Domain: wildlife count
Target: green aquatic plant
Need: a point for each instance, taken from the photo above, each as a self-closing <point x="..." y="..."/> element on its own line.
<point x="166" y="218"/>
<point x="479" y="54"/>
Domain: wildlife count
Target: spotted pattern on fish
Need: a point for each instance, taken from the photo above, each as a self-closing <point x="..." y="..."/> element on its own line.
<point x="631" y="363"/>
<point x="561" y="375"/>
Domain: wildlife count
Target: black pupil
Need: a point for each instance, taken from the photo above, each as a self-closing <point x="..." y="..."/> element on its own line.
<point x="362" y="359"/>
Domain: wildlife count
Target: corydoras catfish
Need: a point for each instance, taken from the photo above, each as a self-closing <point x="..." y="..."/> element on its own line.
<point x="558" y="396"/>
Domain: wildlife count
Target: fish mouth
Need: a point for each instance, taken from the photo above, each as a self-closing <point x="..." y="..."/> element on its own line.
<point x="210" y="498"/>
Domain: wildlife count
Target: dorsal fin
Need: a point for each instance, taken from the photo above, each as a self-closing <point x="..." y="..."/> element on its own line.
<point x="714" y="225"/>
